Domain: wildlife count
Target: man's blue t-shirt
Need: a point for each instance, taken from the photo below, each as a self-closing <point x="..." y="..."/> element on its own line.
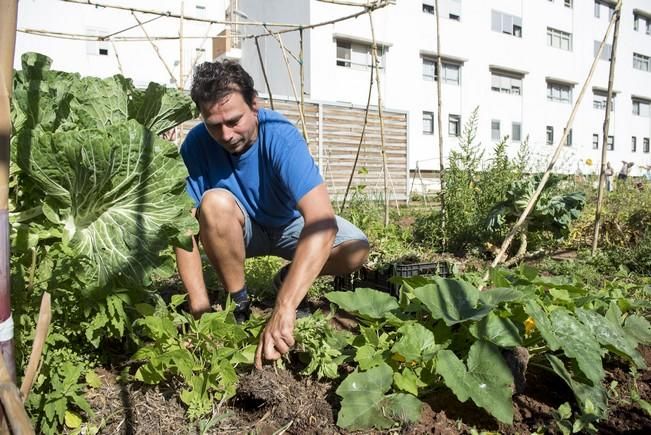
<point x="269" y="178"/>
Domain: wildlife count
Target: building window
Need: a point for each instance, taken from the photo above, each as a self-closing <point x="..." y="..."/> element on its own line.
<point x="428" y="123"/>
<point x="451" y="71"/>
<point x="506" y="83"/>
<point x="559" y="92"/>
<point x="633" y="144"/>
<point x="599" y="99"/>
<point x="568" y="3"/>
<point x="454" y="125"/>
<point x="595" y="141"/>
<point x="641" y="107"/>
<point x="606" y="53"/>
<point x="549" y="134"/>
<point x="452" y="7"/>
<point x="428" y="6"/>
<point x="645" y="145"/>
<point x="611" y="143"/>
<point x="357" y="55"/>
<point x="559" y="39"/>
<point x="641" y="62"/>
<point x="609" y="7"/>
<point x="645" y="22"/>
<point x="506" y="23"/>
<point x="495" y="130"/>
<point x="516" y="132"/>
<point x="568" y="138"/>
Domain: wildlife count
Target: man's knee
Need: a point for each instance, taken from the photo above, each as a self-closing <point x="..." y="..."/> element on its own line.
<point x="219" y="208"/>
<point x="350" y="255"/>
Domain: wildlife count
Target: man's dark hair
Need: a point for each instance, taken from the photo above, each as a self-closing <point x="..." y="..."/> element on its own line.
<point x="212" y="81"/>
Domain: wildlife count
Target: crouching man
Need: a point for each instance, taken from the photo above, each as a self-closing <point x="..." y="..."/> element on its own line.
<point x="257" y="191"/>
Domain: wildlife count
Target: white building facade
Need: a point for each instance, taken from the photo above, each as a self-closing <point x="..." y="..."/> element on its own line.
<point x="522" y="63"/>
<point x="128" y="50"/>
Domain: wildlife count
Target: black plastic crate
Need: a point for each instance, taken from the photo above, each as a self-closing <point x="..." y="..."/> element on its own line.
<point x="379" y="279"/>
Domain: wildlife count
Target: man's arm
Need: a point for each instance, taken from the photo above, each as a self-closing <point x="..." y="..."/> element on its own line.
<point x="312" y="251"/>
<point x="189" y="265"/>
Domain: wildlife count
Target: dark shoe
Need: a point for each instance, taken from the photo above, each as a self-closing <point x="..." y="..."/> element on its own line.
<point x="242" y="312"/>
<point x="303" y="310"/>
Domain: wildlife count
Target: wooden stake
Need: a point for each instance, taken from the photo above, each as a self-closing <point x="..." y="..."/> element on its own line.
<point x="180" y="83"/>
<point x="301" y="69"/>
<point x="291" y="82"/>
<point x="534" y="198"/>
<point x="169" y="71"/>
<point x="379" y="110"/>
<point x="361" y="140"/>
<point x="604" y="142"/>
<point x="8" y="16"/>
<point x="439" y="99"/>
<point x="264" y="73"/>
<point x="12" y="405"/>
<point x="115" y="50"/>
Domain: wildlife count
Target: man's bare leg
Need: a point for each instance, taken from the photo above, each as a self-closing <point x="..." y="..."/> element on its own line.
<point x="221" y="225"/>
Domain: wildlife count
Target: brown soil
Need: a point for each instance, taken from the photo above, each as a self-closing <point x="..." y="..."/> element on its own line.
<point x="279" y="401"/>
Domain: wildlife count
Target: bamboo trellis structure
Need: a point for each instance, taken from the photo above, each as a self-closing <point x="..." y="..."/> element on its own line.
<point x="534" y="197"/>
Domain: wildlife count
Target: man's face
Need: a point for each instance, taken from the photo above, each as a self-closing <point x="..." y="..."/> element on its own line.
<point x="231" y="122"/>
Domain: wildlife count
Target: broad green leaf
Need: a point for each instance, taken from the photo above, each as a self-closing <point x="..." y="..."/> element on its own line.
<point x="451" y="300"/>
<point x="416" y="343"/>
<point x="366" y="302"/>
<point x="543" y="324"/>
<point x="578" y="342"/>
<point x="404" y="407"/>
<point x="159" y="108"/>
<point x="583" y="392"/>
<point x="73" y="420"/>
<point x="498" y="330"/>
<point x="638" y="328"/>
<point x="487" y="380"/>
<point x="496" y="296"/>
<point x="408" y="381"/>
<point x="121" y="196"/>
<point x="368" y="356"/>
<point x="609" y="334"/>
<point x="93" y="380"/>
<point x="363" y="396"/>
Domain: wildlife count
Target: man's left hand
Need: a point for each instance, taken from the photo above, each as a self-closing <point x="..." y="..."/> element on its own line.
<point x="277" y="336"/>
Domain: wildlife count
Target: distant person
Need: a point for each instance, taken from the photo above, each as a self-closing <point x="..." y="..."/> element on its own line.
<point x="609" y="177"/>
<point x="647" y="174"/>
<point x="257" y="191"/>
<point x="626" y="169"/>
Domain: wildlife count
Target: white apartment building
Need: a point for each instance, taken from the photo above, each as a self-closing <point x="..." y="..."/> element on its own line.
<point x="521" y="62"/>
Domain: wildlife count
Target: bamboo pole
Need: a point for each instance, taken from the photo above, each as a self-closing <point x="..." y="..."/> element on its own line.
<point x="289" y="27"/>
<point x="110" y="35"/>
<point x="8" y="17"/>
<point x="301" y="69"/>
<point x="12" y="404"/>
<point x="264" y="73"/>
<point x="604" y="142"/>
<point x="439" y="101"/>
<point x="379" y="110"/>
<point x="361" y="140"/>
<point x="534" y="198"/>
<point x="169" y="71"/>
<point x="180" y="82"/>
<point x="291" y="82"/>
<point x="115" y="50"/>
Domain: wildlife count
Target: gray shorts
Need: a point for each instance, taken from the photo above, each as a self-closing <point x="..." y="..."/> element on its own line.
<point x="260" y="240"/>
